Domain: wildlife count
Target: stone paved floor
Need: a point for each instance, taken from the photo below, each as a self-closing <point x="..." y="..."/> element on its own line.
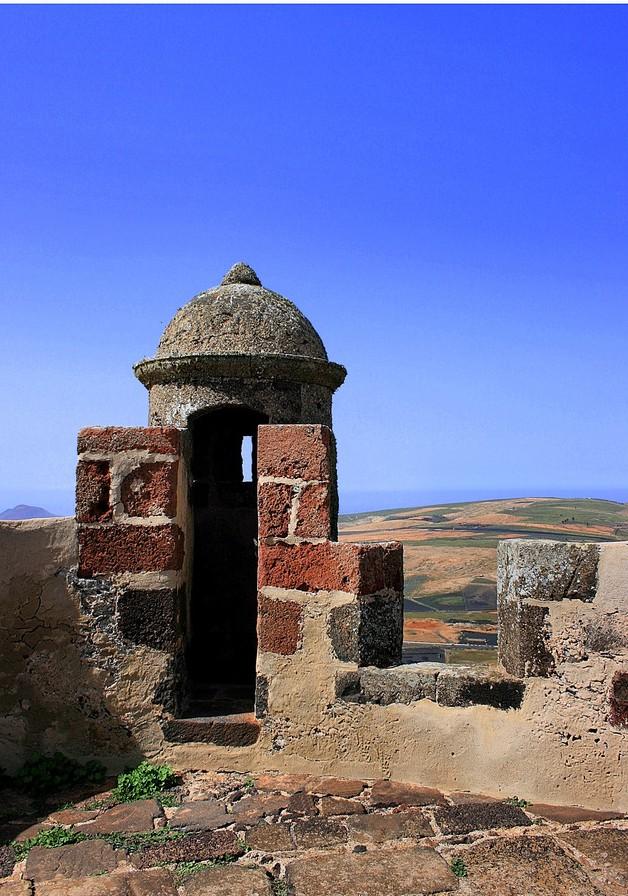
<point x="231" y="835"/>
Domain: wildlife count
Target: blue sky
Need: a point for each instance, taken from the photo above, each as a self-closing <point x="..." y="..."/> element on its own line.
<point x="442" y="190"/>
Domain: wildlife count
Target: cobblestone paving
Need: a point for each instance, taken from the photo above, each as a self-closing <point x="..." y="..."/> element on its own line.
<point x="292" y="835"/>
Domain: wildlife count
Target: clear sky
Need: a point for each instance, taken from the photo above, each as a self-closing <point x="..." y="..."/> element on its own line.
<point x="442" y="191"/>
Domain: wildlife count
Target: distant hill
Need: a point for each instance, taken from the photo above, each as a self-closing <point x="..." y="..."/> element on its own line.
<point x="25" y="512"/>
<point x="450" y="555"/>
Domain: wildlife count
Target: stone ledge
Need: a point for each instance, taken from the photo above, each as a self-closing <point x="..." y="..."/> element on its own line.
<point x="445" y="685"/>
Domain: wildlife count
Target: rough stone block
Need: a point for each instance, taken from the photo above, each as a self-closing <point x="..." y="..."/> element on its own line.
<point x="318" y="833"/>
<point x="505" y="866"/>
<point x="274" y="506"/>
<point x="127" y="548"/>
<point x="374" y="828"/>
<point x="619" y="700"/>
<point x="269" y="837"/>
<point x="546" y="570"/>
<point x="328" y="566"/>
<point x="75" y="860"/>
<point x="606" y="851"/>
<point x="16" y="888"/>
<point x="479" y="817"/>
<point x="113" y="439"/>
<point x="396" y="793"/>
<point x="469" y="686"/>
<point x="200" y="815"/>
<point x="338" y="805"/>
<point x="279" y="625"/>
<point x="129" y="818"/>
<point x="378" y="872"/>
<point x="314" y="518"/>
<point x="239" y="730"/>
<point x="151" y="490"/>
<point x="393" y="566"/>
<point x="229" y="879"/>
<point x="400" y="684"/>
<point x="261" y="697"/>
<point x="150" y="617"/>
<point x="153" y="882"/>
<point x="368" y="631"/>
<point x="300" y="451"/>
<point x="522" y="643"/>
<point x="250" y="809"/>
<point x="93" y="485"/>
<point x="201" y="847"/>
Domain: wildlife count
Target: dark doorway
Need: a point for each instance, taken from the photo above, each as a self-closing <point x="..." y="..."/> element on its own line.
<point x="222" y="642"/>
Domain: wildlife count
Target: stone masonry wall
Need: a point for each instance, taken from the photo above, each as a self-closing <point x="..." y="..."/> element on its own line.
<point x="132" y="517"/>
<point x="52" y="697"/>
<point x="323" y="607"/>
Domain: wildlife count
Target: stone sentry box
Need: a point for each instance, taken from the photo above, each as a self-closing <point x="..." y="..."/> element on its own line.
<point x="340" y="605"/>
<point x="169" y="523"/>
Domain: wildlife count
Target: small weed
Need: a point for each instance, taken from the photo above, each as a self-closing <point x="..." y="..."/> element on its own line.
<point x="279" y="887"/>
<point x="98" y="804"/>
<point x="143" y="783"/>
<point x="185" y="870"/>
<point x="168" y="800"/>
<point x="135" y="842"/>
<point x="42" y="775"/>
<point x="538" y="821"/>
<point x="49" y="838"/>
<point x="515" y="801"/>
<point x="458" y="867"/>
<point x="249" y="784"/>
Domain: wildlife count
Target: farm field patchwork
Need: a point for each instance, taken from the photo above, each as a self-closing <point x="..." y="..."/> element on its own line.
<point x="450" y="559"/>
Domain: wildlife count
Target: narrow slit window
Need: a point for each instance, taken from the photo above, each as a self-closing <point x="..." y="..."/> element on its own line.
<point x="247" y="458"/>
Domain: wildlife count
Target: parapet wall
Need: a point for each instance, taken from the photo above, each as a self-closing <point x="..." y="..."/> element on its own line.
<point x="93" y="632"/>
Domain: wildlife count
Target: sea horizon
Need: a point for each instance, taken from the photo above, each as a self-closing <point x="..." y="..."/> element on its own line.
<point x="60" y="502"/>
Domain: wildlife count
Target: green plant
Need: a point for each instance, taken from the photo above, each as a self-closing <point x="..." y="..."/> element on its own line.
<point x="143" y="782"/>
<point x="49" y="838"/>
<point x="249" y="784"/>
<point x="49" y="774"/>
<point x="458" y="867"/>
<point x="185" y="870"/>
<point x="515" y="801"/>
<point x="135" y="842"/>
<point x="279" y="887"/>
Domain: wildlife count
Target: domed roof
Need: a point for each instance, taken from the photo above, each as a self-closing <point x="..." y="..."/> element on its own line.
<point x="240" y="317"/>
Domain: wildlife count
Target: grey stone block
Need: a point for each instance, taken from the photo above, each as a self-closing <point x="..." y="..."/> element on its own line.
<point x="522" y="644"/>
<point x="546" y="570"/>
<point x="368" y="631"/>
<point x="478" y="685"/>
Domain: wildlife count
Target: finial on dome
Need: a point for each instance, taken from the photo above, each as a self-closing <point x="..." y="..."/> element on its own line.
<point x="241" y="273"/>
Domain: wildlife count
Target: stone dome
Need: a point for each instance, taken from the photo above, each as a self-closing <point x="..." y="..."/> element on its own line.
<point x="240" y="317"/>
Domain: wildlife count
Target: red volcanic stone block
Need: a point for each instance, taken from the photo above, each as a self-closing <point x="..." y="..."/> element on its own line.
<point x="393" y="565"/>
<point x="274" y="504"/>
<point x="299" y="451"/>
<point x="151" y="490"/>
<point x="112" y="439"/>
<point x="93" y="484"/>
<point x="111" y="549"/>
<point x="279" y="625"/>
<point x="619" y="700"/>
<point x="314" y="511"/>
<point x="328" y="566"/>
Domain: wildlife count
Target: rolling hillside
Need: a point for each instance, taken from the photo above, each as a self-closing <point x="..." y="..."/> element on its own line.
<point x="450" y="558"/>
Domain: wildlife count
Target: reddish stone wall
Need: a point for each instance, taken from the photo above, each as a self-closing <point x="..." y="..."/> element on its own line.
<point x="126" y="501"/>
<point x="131" y="522"/>
<point x="351" y="593"/>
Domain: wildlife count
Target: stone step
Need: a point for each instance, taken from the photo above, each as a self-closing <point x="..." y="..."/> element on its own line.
<point x="235" y="730"/>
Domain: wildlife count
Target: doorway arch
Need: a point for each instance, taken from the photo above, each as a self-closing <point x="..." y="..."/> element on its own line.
<point x="222" y="623"/>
